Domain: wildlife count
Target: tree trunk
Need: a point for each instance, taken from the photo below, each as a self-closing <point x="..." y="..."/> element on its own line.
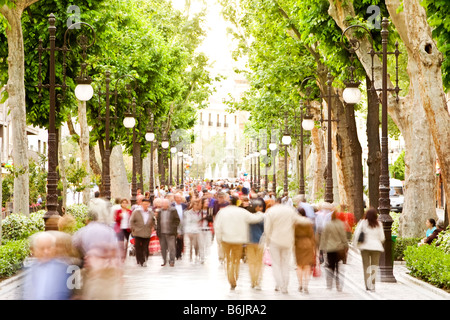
<point x="16" y="101"/>
<point x="409" y="116"/>
<point x="373" y="141"/>
<point x="317" y="165"/>
<point x="347" y="150"/>
<point x="120" y="188"/>
<point x="422" y="49"/>
<point x="84" y="147"/>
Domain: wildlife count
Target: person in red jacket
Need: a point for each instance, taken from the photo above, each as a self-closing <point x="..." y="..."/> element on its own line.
<point x="122" y="226"/>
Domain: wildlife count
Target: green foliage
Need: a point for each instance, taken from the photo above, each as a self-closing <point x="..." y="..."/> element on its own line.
<point x="400" y="246"/>
<point x="438" y="12"/>
<point x="12" y="255"/>
<point x="397" y="169"/>
<point x="443" y="241"/>
<point x="79" y="212"/>
<point x="17" y="226"/>
<point x="429" y="263"/>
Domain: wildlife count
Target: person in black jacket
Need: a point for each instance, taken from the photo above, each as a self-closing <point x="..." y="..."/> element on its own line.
<point x="167" y="225"/>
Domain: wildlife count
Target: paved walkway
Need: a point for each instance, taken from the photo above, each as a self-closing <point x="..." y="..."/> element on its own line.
<point x="190" y="281"/>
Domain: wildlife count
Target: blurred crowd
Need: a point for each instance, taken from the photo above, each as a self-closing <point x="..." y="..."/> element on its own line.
<point x="182" y="223"/>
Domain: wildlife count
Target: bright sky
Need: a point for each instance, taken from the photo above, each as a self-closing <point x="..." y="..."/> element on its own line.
<point x="217" y="44"/>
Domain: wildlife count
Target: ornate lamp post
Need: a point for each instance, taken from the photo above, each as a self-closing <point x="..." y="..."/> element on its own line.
<point x="307" y="123"/>
<point x="83" y="92"/>
<point x="165" y="145"/>
<point x="150" y="137"/>
<point x="129" y="122"/>
<point x="286" y="141"/>
<point x="106" y="177"/>
<point x="352" y="96"/>
<point x="329" y="171"/>
<point x="273" y="148"/>
<point x="173" y="152"/>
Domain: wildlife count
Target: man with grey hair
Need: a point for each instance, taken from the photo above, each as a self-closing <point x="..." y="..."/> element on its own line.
<point x="47" y="277"/>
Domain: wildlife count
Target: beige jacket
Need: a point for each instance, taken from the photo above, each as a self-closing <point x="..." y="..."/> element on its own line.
<point x="333" y="237"/>
<point x="137" y="225"/>
<point x="232" y="224"/>
<point x="279" y="225"/>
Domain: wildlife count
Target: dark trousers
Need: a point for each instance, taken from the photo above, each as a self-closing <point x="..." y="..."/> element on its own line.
<point x="167" y="242"/>
<point x="180" y="246"/>
<point x="141" y="245"/>
<point x="332" y="267"/>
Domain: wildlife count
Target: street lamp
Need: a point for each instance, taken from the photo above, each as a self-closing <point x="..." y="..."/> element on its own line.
<point x="273" y="148"/>
<point x="164" y="144"/>
<point x="84" y="92"/>
<point x="129" y="122"/>
<point x="150" y="137"/>
<point x="173" y="152"/>
<point x="106" y="177"/>
<point x="351" y="97"/>
<point x="286" y="141"/>
<point x="307" y="123"/>
<point x="329" y="171"/>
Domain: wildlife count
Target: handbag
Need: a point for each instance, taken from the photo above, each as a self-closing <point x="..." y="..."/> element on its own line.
<point x="361" y="237"/>
<point x="316" y="271"/>
<point x="266" y="257"/>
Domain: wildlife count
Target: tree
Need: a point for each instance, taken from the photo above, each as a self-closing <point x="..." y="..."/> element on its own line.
<point x="408" y="112"/>
<point x="15" y="88"/>
<point x="288" y="41"/>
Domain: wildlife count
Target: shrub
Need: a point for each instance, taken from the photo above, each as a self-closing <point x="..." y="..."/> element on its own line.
<point x="12" y="255"/>
<point x="400" y="246"/>
<point x="79" y="212"/>
<point x="429" y="263"/>
<point x="443" y="241"/>
<point x="18" y="226"/>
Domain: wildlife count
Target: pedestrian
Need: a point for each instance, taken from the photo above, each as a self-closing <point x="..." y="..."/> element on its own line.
<point x="279" y="225"/>
<point x="231" y="226"/>
<point x="167" y="225"/>
<point x="305" y="252"/>
<point x="192" y="228"/>
<point x="102" y="263"/>
<point x="103" y="209"/>
<point x="334" y="243"/>
<point x="47" y="278"/>
<point x="180" y="205"/>
<point x="141" y="225"/>
<point x="206" y="226"/>
<point x="371" y="247"/>
<point x="255" y="249"/>
<point x="122" y="227"/>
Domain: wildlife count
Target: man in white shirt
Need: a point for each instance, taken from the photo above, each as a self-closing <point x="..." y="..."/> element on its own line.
<point x="279" y="228"/>
<point x="231" y="227"/>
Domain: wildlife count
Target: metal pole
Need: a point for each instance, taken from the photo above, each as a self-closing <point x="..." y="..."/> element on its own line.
<point x="151" y="168"/>
<point x="106" y="178"/>
<point x="301" y="185"/>
<point x="386" y="263"/>
<point x="329" y="179"/>
<point x="52" y="177"/>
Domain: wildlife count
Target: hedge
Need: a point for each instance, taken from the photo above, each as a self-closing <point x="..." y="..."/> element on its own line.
<point x="429" y="263"/>
<point x="12" y="255"/>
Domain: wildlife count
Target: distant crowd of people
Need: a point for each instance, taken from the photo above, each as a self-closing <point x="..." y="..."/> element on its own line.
<point x="256" y="227"/>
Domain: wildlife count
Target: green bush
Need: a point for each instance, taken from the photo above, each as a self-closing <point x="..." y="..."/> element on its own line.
<point x="79" y="212"/>
<point x="18" y="226"/>
<point x="400" y="246"/>
<point x="443" y="241"/>
<point x="430" y="264"/>
<point x="12" y="255"/>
